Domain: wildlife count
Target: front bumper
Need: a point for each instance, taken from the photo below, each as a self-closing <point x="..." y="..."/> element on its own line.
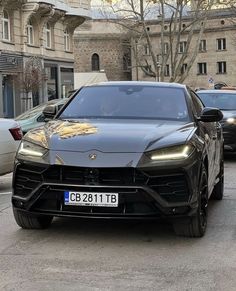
<point x="39" y="189"/>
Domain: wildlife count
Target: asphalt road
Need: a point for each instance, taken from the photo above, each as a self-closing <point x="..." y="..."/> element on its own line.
<point x="111" y="255"/>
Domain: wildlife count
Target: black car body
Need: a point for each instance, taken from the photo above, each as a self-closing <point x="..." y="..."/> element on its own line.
<point x="225" y="100"/>
<point x="155" y="152"/>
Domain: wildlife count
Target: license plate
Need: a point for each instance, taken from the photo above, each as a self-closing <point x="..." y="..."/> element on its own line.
<point x="91" y="199"/>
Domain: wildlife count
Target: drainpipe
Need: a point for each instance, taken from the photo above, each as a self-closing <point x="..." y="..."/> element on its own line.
<point x="1" y="96"/>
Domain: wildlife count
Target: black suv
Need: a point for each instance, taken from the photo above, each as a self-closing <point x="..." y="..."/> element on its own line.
<point x="123" y="150"/>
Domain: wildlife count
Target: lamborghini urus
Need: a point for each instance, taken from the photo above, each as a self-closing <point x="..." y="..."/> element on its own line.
<point x="124" y="150"/>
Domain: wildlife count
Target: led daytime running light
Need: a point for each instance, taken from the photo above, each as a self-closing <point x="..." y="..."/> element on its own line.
<point x="29" y="152"/>
<point x="231" y="120"/>
<point x="178" y="155"/>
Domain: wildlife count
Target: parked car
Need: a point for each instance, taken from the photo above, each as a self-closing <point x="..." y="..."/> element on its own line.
<point x="10" y="136"/>
<point x="157" y="152"/>
<point x="34" y="117"/>
<point x="225" y="100"/>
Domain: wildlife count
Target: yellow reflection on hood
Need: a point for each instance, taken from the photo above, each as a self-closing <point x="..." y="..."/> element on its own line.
<point x="37" y="136"/>
<point x="68" y="129"/>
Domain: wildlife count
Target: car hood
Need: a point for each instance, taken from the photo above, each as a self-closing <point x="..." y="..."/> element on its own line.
<point x="110" y="136"/>
<point x="228" y="113"/>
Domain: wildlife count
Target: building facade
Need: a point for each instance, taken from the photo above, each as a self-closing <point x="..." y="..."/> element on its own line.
<point x="215" y="61"/>
<point x="100" y="45"/>
<point x="36" y="51"/>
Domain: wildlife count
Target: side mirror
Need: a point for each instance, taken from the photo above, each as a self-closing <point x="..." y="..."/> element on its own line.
<point x="49" y="112"/>
<point x="210" y="115"/>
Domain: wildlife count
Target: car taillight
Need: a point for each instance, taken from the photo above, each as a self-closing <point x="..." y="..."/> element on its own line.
<point x="16" y="132"/>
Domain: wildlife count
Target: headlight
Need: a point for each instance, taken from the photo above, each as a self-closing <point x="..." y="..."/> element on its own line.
<point x="172" y="153"/>
<point x="28" y="149"/>
<point x="231" y="120"/>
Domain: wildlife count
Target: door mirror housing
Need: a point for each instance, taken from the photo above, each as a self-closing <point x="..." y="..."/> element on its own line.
<point x="49" y="112"/>
<point x="210" y="115"/>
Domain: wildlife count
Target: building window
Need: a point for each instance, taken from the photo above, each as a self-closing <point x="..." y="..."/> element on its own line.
<point x="167" y="71"/>
<point x="182" y="46"/>
<point x="166" y="48"/>
<point x="202" y="68"/>
<point x="6" y="26"/>
<point x="95" y="62"/>
<point x="30" y="33"/>
<point x="126" y="61"/>
<point x="202" y="45"/>
<point x="221" y="68"/>
<point x="48" y="36"/>
<point x="66" y="40"/>
<point x="146" y="49"/>
<point x="221" y="44"/>
<point x="183" y="69"/>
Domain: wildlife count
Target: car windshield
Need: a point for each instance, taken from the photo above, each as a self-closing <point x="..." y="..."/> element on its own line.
<point x="128" y="101"/>
<point x="224" y="101"/>
<point x="31" y="113"/>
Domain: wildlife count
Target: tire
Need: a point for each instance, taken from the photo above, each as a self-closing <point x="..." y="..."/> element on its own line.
<point x="195" y="226"/>
<point x="218" y="191"/>
<point x="28" y="221"/>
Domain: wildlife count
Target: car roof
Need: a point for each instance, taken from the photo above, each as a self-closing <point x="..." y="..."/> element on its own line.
<point x="138" y="83"/>
<point x="220" y="91"/>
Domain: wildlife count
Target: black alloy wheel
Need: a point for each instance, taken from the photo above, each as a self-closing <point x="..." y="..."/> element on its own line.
<point x="195" y="226"/>
<point x="28" y="221"/>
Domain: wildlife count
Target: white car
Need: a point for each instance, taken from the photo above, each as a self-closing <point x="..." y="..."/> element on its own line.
<point x="10" y="136"/>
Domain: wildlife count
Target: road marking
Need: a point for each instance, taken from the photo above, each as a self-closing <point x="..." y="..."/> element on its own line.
<point x="5" y="193"/>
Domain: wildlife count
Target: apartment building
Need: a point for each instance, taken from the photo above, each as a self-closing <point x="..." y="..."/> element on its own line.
<point x="39" y="33"/>
<point x="215" y="61"/>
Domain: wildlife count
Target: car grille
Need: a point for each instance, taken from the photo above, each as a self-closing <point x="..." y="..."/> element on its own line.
<point x="49" y="184"/>
<point x="171" y="188"/>
<point x="27" y="179"/>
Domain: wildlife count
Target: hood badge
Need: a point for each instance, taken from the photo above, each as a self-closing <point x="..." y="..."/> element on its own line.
<point x="92" y="157"/>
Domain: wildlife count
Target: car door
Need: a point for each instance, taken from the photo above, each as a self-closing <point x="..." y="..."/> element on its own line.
<point x="209" y="134"/>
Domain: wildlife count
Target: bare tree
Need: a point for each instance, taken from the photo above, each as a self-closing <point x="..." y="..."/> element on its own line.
<point x="179" y="29"/>
<point x="30" y="80"/>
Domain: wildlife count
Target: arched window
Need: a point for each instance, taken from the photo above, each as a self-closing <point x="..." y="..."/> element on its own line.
<point x="66" y="40"/>
<point x="30" y="33"/>
<point x="95" y="62"/>
<point x="126" y="61"/>
<point x="48" y="35"/>
<point x="6" y="26"/>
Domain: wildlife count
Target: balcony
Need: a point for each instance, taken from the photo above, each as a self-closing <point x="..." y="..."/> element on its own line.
<point x="73" y="8"/>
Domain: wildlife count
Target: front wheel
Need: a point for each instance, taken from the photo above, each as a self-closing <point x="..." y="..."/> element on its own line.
<point x="28" y="221"/>
<point x="195" y="226"/>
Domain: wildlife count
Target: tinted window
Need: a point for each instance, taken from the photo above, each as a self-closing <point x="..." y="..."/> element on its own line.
<point x="128" y="101"/>
<point x="225" y="101"/>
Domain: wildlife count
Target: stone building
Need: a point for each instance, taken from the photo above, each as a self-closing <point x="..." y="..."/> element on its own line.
<point x="102" y="46"/>
<point x="38" y="33"/>
<point x="104" y="41"/>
